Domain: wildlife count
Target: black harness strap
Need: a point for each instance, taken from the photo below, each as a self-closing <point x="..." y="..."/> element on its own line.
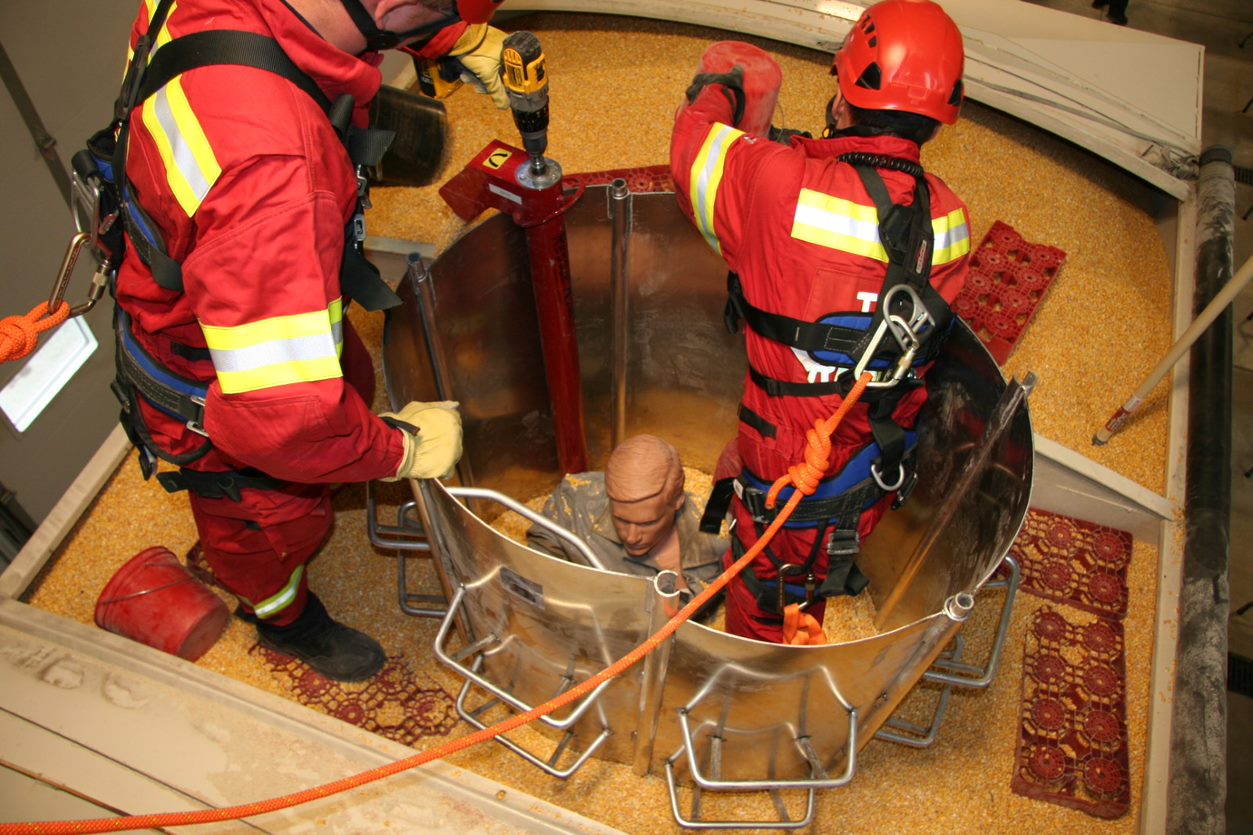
<point x="906" y="235"/>
<point x="764" y="427"/>
<point x="219" y="485"/>
<point x="360" y="279"/>
<point x="718" y="505"/>
<point x="225" y="46"/>
<point x="144" y="78"/>
<point x="843" y="575"/>
<point x="784" y="388"/>
<point x="809" y="336"/>
<point x="847" y="505"/>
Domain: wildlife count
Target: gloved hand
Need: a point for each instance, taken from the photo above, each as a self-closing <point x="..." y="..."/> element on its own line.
<point x="732" y="87"/>
<point x="478" y="49"/>
<point x="432" y="433"/>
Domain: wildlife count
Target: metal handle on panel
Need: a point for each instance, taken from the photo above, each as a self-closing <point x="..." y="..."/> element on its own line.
<point x="811" y="784"/>
<point x="911" y="734"/>
<point x="526" y="512"/>
<point x="473" y="676"/>
<point x="762" y="785"/>
<point x="959" y="674"/>
<point x="544" y="765"/>
<point x="406" y="525"/>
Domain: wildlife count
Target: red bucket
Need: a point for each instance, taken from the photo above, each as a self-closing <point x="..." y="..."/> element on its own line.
<point x="153" y="599"/>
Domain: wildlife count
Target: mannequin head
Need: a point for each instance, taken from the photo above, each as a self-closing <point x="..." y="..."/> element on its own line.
<point x="644" y="480"/>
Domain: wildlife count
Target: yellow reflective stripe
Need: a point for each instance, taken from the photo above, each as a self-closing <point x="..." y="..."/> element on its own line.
<point x="952" y="237"/>
<point x="706" y="177"/>
<point x="271" y="606"/>
<point x="850" y="227"/>
<point x="837" y="223"/>
<point x="274" y="352"/>
<point x="190" y="167"/>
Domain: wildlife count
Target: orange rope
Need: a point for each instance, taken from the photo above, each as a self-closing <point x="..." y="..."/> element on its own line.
<point x="20" y="334"/>
<point x="652" y="642"/>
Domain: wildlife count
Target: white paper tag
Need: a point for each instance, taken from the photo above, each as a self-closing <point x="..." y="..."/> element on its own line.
<point x="46" y="372"/>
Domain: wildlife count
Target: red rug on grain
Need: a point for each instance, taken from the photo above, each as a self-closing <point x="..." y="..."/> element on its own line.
<point x="1072" y="739"/>
<point x="397" y="703"/>
<point x="1073" y="562"/>
<point x="1009" y="278"/>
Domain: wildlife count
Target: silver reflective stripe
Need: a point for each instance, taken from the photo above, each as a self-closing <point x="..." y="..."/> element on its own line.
<point x="273" y="605"/>
<point x="296" y="349"/>
<point x="184" y="157"/>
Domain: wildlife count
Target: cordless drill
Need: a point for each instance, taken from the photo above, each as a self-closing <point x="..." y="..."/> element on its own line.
<point x="522" y="63"/>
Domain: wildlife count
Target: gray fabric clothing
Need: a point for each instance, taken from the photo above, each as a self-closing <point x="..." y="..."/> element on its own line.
<point x="581" y="506"/>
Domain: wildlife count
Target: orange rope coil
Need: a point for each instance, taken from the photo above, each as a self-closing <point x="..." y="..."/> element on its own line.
<point x="19" y="335"/>
<point x="819" y="438"/>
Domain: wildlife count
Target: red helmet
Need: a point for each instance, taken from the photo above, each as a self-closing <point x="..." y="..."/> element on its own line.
<point x="477" y="11"/>
<point x="903" y="55"/>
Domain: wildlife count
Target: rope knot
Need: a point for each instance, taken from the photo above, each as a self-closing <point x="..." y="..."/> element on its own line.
<point x="807" y="475"/>
<point x="20" y="334"/>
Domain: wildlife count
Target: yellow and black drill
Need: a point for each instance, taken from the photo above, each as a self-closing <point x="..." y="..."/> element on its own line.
<point x="522" y="65"/>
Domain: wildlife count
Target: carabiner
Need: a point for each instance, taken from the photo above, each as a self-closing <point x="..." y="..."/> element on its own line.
<point x="98" y="281"/>
<point x="906" y="333"/>
<point x="792" y="569"/>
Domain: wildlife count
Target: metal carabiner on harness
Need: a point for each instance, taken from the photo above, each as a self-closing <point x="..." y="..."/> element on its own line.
<point x="99" y="281"/>
<point x="906" y="333"/>
<point x="792" y="569"/>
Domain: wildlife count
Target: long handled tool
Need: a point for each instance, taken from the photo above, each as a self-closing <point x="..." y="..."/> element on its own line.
<point x="1198" y="326"/>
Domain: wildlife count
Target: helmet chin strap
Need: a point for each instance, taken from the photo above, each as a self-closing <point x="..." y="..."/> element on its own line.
<point x="377" y="39"/>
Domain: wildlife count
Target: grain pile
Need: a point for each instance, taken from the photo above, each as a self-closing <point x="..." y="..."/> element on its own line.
<point x="1104" y="324"/>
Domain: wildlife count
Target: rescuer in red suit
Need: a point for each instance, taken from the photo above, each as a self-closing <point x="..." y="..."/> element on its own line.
<point x="238" y="363"/>
<point x="815" y="232"/>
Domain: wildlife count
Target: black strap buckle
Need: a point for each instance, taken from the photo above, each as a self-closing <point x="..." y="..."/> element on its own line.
<point x="911" y="481"/>
<point x="844" y="543"/>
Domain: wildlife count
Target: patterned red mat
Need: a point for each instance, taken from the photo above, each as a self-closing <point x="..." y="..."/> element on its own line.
<point x="396" y="703"/>
<point x="1009" y="277"/>
<point x="1072" y="740"/>
<point x="642" y="180"/>
<point x="1073" y="562"/>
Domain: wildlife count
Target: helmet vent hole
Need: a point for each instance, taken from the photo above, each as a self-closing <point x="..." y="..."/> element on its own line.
<point x="871" y="78"/>
<point x="956" y="98"/>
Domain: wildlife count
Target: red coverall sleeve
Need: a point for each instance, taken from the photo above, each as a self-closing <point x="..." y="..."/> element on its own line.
<point x="264" y="283"/>
<point x="718" y="169"/>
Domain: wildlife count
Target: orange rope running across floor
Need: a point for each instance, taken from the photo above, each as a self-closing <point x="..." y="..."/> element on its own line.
<point x="802" y="476"/>
<point x="20" y="334"/>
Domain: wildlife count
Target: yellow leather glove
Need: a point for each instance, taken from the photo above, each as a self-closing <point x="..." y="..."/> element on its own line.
<point x="478" y="49"/>
<point x="432" y="433"/>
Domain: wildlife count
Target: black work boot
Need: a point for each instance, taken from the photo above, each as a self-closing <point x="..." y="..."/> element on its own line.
<point x="334" y="650"/>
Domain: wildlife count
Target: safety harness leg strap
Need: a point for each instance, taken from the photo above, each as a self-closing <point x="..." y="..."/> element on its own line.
<point x="218" y="485"/>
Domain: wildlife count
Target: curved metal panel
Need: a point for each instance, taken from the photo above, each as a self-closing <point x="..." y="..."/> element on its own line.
<point x="532" y="625"/>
